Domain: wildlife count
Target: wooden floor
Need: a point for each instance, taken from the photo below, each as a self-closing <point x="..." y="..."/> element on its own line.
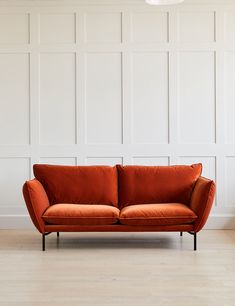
<point x="106" y="269"/>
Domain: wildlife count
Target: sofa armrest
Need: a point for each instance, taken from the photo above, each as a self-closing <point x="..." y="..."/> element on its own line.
<point x="37" y="202"/>
<point x="202" y="200"/>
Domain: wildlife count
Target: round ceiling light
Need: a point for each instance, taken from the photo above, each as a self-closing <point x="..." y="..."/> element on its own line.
<point x="163" y="2"/>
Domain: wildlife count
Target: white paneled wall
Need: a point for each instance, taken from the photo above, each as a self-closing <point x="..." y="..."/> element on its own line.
<point x="111" y="82"/>
<point x="103" y="98"/>
<point x="150" y="97"/>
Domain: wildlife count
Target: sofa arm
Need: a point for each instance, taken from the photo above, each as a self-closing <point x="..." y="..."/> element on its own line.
<point x="37" y="202"/>
<point x="202" y="200"/>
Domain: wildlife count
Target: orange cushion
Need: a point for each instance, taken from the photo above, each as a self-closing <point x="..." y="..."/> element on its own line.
<point x="157" y="214"/>
<point x="160" y="184"/>
<point x="75" y="214"/>
<point x="79" y="184"/>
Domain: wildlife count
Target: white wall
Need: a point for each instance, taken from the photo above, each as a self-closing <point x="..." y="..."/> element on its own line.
<point x="83" y="82"/>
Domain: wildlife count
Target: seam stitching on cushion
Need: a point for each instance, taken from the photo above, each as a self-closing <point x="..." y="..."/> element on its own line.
<point x="176" y="217"/>
<point x="79" y="217"/>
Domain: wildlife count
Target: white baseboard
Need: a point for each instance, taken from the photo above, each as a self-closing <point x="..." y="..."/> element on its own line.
<point x="220" y="222"/>
<point x="24" y="222"/>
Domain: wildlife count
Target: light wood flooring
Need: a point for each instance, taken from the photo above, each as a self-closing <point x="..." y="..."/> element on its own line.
<point x="121" y="269"/>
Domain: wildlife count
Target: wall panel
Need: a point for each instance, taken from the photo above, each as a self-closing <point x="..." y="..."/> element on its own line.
<point x="151" y="161"/>
<point x="103" y="27"/>
<point x="103" y="98"/>
<point x="14" y="98"/>
<point x="230" y="96"/>
<point x="197" y="97"/>
<point x="229" y="26"/>
<point x="149" y="27"/>
<point x="14" y="172"/>
<point x="230" y="178"/>
<point x="14" y="28"/>
<point x="57" y="98"/>
<point x="150" y="97"/>
<point x="57" y="28"/>
<point x="71" y="161"/>
<point x="196" y="26"/>
<point x="110" y="161"/>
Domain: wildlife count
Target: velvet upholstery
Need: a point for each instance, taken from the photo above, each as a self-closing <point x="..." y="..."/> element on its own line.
<point x="157" y="214"/>
<point x="202" y="200"/>
<point x="79" y="184"/>
<point x="139" y="187"/>
<point x="161" y="184"/>
<point x="75" y="214"/>
<point x="36" y="201"/>
<point x="119" y="228"/>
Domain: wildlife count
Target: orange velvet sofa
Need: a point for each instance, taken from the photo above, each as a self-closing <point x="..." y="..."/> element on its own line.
<point x="119" y="199"/>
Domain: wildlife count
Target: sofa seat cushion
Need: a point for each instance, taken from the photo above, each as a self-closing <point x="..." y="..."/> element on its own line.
<point x="157" y="214"/>
<point x="75" y="214"/>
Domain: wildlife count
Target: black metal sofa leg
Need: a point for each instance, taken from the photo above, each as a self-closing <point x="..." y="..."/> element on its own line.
<point x="58" y="234"/>
<point x="44" y="240"/>
<point x="195" y="241"/>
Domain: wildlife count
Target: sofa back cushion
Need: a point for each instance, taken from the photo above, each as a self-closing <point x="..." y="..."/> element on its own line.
<point x="79" y="184"/>
<point x="156" y="184"/>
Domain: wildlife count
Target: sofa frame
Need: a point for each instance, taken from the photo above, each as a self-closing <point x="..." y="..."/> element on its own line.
<point x="201" y="201"/>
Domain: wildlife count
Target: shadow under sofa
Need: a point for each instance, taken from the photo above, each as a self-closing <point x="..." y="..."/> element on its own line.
<point x="119" y="199"/>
